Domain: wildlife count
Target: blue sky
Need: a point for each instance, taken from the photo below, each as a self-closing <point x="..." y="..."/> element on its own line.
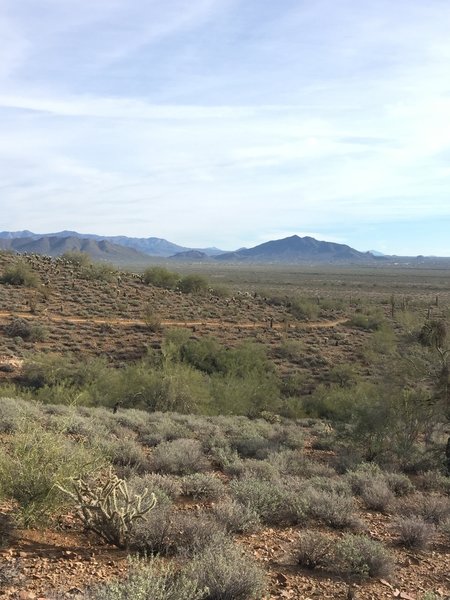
<point x="228" y="122"/>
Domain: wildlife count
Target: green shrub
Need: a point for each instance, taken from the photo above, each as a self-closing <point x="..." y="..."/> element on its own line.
<point x="361" y="556"/>
<point x="304" y="309"/>
<point x="193" y="284"/>
<point x="99" y="272"/>
<point x="20" y="274"/>
<point x="161" y="277"/>
<point x="34" y="461"/>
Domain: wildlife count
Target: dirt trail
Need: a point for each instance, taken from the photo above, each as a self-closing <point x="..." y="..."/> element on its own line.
<point x="212" y="323"/>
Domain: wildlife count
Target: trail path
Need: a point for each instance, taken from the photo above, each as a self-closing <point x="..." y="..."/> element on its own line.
<point x="213" y="323"/>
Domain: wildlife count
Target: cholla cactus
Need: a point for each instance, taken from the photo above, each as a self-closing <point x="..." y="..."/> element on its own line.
<point x="108" y="509"/>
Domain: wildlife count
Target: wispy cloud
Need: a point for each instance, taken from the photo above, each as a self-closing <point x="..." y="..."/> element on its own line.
<point x="219" y="121"/>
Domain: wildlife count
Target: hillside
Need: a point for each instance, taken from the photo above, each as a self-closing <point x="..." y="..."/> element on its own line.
<point x="273" y="422"/>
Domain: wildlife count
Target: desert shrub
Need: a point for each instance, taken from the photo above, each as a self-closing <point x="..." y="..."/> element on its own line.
<point x="126" y="453"/>
<point x="413" y="532"/>
<point x="20" y="274"/>
<point x="294" y="462"/>
<point x="154" y="534"/>
<point x="179" y="457"/>
<point x="273" y="504"/>
<point x="193" y="284"/>
<point x="433" y="508"/>
<point x="7" y="528"/>
<point x="363" y="476"/>
<point x="247" y="395"/>
<point x="251" y="467"/>
<point x="335" y="509"/>
<point x="303" y="309"/>
<point x="228" y="574"/>
<point x="445" y="529"/>
<point x="53" y="369"/>
<point x="77" y="258"/>
<point x="236" y="517"/>
<point x="343" y="375"/>
<point x="98" y="272"/>
<point x="434" y="481"/>
<point x="153" y="579"/>
<point x="292" y="350"/>
<point x="193" y="531"/>
<point x="34" y="461"/>
<point x="161" y="277"/>
<point x="313" y="550"/>
<point x="371" y="322"/>
<point x="377" y="495"/>
<point x="361" y="556"/>
<point x="399" y="483"/>
<point x="14" y="412"/>
<point x="26" y="330"/>
<point x="202" y="486"/>
<point x="152" y="319"/>
<point x="165" y="484"/>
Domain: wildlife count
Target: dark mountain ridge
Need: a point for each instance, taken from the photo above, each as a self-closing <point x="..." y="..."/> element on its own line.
<point x="295" y="249"/>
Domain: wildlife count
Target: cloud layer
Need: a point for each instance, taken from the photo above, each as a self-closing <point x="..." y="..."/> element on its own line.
<point x="228" y="122"/>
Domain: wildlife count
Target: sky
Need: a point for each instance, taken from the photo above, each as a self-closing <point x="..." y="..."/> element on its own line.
<point x="228" y="123"/>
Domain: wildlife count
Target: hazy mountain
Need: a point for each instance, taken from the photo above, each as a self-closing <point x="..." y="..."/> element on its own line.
<point x="296" y="249"/>
<point x="192" y="255"/>
<point x="55" y="246"/>
<point x="152" y="246"/>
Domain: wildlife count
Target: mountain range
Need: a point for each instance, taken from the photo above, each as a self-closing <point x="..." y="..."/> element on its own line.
<point x="123" y="250"/>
